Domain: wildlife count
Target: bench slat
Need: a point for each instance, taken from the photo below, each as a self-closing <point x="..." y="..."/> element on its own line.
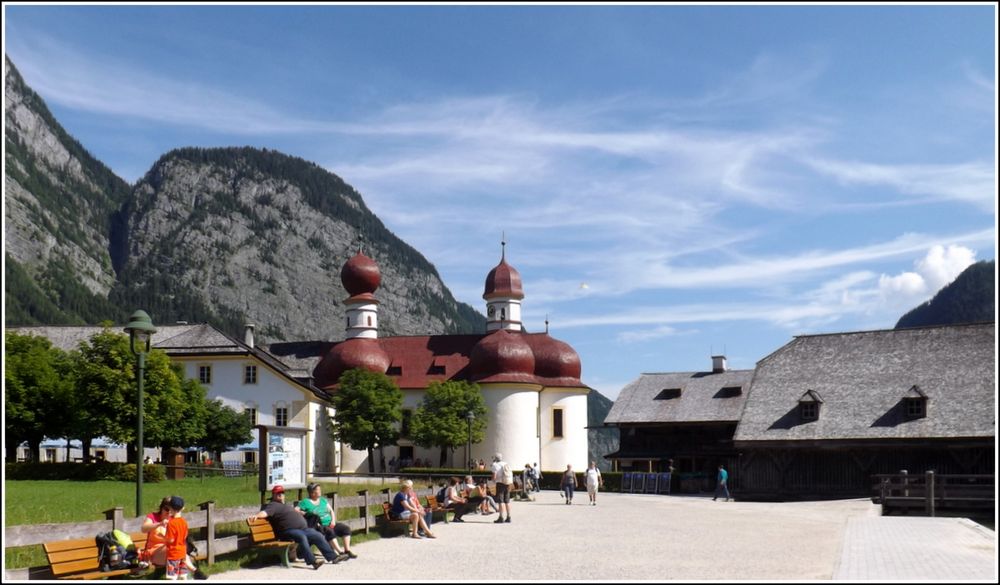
<point x="72" y="555"/>
<point x="76" y="543"/>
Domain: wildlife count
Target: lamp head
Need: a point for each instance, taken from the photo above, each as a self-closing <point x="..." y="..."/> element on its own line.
<point x="140" y="328"/>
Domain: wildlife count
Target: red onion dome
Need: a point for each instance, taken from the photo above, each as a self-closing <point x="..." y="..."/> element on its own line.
<point x="503" y="281"/>
<point x="360" y="275"/>
<point x="502" y="356"/>
<point x="554" y="358"/>
<point x="353" y="353"/>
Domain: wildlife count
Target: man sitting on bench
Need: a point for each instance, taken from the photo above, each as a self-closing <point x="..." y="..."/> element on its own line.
<point x="459" y="500"/>
<point x="289" y="524"/>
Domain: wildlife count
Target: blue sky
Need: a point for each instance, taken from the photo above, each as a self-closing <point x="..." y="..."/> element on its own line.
<point x="673" y="181"/>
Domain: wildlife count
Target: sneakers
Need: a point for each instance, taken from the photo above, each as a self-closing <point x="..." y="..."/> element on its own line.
<point x="498" y="520"/>
<point x="507" y="521"/>
<point x="340" y="557"/>
<point x="318" y="562"/>
<point x="457" y="520"/>
<point x="350" y="554"/>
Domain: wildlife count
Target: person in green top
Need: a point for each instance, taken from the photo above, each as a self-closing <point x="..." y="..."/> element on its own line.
<point x="721" y="485"/>
<point x="326" y="521"/>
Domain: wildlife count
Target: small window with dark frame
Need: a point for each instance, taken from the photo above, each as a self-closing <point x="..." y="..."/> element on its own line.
<point x="251" y="414"/>
<point x="557" y="422"/>
<point x="916" y="408"/>
<point x="250" y="375"/>
<point x="205" y="374"/>
<point x="281" y="416"/>
<point x="809" y="410"/>
<point x="394" y="371"/>
<point x="436" y="370"/>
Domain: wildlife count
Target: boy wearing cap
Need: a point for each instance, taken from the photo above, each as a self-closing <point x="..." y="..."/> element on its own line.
<point x="178" y="565"/>
<point x="289" y="524"/>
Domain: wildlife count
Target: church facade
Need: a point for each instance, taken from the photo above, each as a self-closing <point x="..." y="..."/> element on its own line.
<point x="531" y="383"/>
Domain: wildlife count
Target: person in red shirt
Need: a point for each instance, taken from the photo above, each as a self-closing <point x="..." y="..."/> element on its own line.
<point x="178" y="563"/>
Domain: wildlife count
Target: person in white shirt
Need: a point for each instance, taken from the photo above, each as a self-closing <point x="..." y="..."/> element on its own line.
<point x="594" y="480"/>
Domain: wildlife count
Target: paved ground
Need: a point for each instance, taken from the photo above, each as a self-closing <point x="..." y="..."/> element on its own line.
<point x="648" y="537"/>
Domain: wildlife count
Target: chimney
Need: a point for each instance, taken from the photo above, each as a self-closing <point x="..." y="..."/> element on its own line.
<point x="248" y="335"/>
<point x="718" y="364"/>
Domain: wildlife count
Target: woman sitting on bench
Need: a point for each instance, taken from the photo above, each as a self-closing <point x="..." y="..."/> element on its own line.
<point x="406" y="506"/>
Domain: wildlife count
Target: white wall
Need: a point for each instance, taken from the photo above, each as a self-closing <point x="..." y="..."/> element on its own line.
<point x="513" y="430"/>
<point x="571" y="449"/>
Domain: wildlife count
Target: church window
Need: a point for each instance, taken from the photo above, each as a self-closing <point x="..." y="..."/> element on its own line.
<point x="557" y="422"/>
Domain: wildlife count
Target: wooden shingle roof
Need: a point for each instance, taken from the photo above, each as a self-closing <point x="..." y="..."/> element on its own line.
<point x="864" y="378"/>
<point x="703" y="397"/>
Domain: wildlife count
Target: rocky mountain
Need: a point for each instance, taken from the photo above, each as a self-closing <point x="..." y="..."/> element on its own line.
<point x="601" y="440"/>
<point x="971" y="297"/>
<point x="225" y="236"/>
<point x="59" y="203"/>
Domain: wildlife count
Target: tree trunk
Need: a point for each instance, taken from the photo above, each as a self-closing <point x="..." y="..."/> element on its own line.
<point x="69" y="455"/>
<point x="444" y="456"/>
<point x="371" y="460"/>
<point x="10" y="449"/>
<point x="85" y="444"/>
<point x="35" y="449"/>
<point x="130" y="453"/>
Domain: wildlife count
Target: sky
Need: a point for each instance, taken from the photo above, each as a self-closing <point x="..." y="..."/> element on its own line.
<point x="673" y="182"/>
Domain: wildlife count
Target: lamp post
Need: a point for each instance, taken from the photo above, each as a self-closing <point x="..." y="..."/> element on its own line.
<point x="469" y="417"/>
<point x="140" y="329"/>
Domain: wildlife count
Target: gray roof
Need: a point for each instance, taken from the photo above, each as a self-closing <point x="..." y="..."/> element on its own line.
<point x="864" y="377"/>
<point x="178" y="340"/>
<point x="701" y="399"/>
<point x="69" y="337"/>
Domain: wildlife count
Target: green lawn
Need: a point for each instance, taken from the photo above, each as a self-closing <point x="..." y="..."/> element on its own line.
<point x="58" y="502"/>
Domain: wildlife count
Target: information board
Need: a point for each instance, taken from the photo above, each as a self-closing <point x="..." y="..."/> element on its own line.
<point x="282" y="460"/>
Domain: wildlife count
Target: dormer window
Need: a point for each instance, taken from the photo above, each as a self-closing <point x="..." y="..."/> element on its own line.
<point x="915" y="402"/>
<point x="668" y="394"/>
<point x="729" y="392"/>
<point x="394" y="371"/>
<point x="809" y="405"/>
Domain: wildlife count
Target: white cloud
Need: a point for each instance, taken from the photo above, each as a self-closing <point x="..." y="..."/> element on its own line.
<point x="942" y="265"/>
<point x="641" y="335"/>
<point x="909" y="284"/>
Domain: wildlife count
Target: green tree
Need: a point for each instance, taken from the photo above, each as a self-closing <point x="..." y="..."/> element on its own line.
<point x="38" y="392"/>
<point x="440" y="420"/>
<point x="173" y="407"/>
<point x="225" y="428"/>
<point x="367" y="407"/>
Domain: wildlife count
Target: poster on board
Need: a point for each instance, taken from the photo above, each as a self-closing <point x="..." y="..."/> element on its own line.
<point x="282" y="460"/>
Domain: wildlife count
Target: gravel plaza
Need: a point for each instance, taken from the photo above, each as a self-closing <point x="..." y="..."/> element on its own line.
<point x="632" y="537"/>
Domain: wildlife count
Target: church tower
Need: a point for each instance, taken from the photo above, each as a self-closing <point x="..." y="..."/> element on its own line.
<point x="503" y="296"/>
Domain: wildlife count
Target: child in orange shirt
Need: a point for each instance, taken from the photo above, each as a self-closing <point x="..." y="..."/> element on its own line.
<point x="178" y="563"/>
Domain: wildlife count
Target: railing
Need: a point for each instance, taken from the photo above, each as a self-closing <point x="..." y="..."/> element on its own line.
<point x="202" y="523"/>
<point x="931" y="492"/>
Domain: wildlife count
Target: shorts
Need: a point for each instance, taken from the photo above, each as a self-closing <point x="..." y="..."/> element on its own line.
<point x="337" y="530"/>
<point x="503" y="493"/>
<point x="405" y="515"/>
<point x="592" y="489"/>
<point x="176" y="569"/>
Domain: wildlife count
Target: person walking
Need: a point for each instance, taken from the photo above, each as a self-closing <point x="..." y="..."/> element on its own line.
<point x="503" y="476"/>
<point x="537" y="477"/>
<point x="721" y="484"/>
<point x="568" y="484"/>
<point x="594" y="480"/>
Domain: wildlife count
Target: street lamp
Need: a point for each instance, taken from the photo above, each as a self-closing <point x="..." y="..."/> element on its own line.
<point x="469" y="416"/>
<point x="140" y="329"/>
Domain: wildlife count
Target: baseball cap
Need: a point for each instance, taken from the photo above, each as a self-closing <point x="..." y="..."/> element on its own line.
<point x="176" y="503"/>
<point x="498" y="457"/>
<point x="278" y="489"/>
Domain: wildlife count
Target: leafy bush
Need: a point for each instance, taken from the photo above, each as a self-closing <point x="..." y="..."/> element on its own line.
<point x="83" y="471"/>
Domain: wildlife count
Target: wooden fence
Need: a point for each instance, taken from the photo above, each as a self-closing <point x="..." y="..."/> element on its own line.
<point x="202" y="523"/>
<point x="930" y="492"/>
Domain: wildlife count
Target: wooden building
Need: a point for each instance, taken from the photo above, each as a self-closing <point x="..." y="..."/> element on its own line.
<point x="689" y="417"/>
<point x="826" y="412"/>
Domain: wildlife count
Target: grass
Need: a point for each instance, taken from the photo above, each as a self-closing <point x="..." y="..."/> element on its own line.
<point x="86" y="501"/>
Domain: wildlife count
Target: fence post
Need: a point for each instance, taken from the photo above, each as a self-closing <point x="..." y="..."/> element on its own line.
<point x="333" y="502"/>
<point x="906" y="482"/>
<point x="929" y="492"/>
<point x="209" y="508"/>
<point x="364" y="509"/>
<point x="117" y="517"/>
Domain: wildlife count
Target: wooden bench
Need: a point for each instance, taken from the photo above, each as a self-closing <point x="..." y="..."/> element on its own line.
<point x="78" y="558"/>
<point x="437" y="508"/>
<point x="262" y="535"/>
<point x="391" y="523"/>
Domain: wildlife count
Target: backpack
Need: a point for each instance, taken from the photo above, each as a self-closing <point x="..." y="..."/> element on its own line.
<point x="112" y="555"/>
<point x="442" y="493"/>
<point x="508" y="475"/>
